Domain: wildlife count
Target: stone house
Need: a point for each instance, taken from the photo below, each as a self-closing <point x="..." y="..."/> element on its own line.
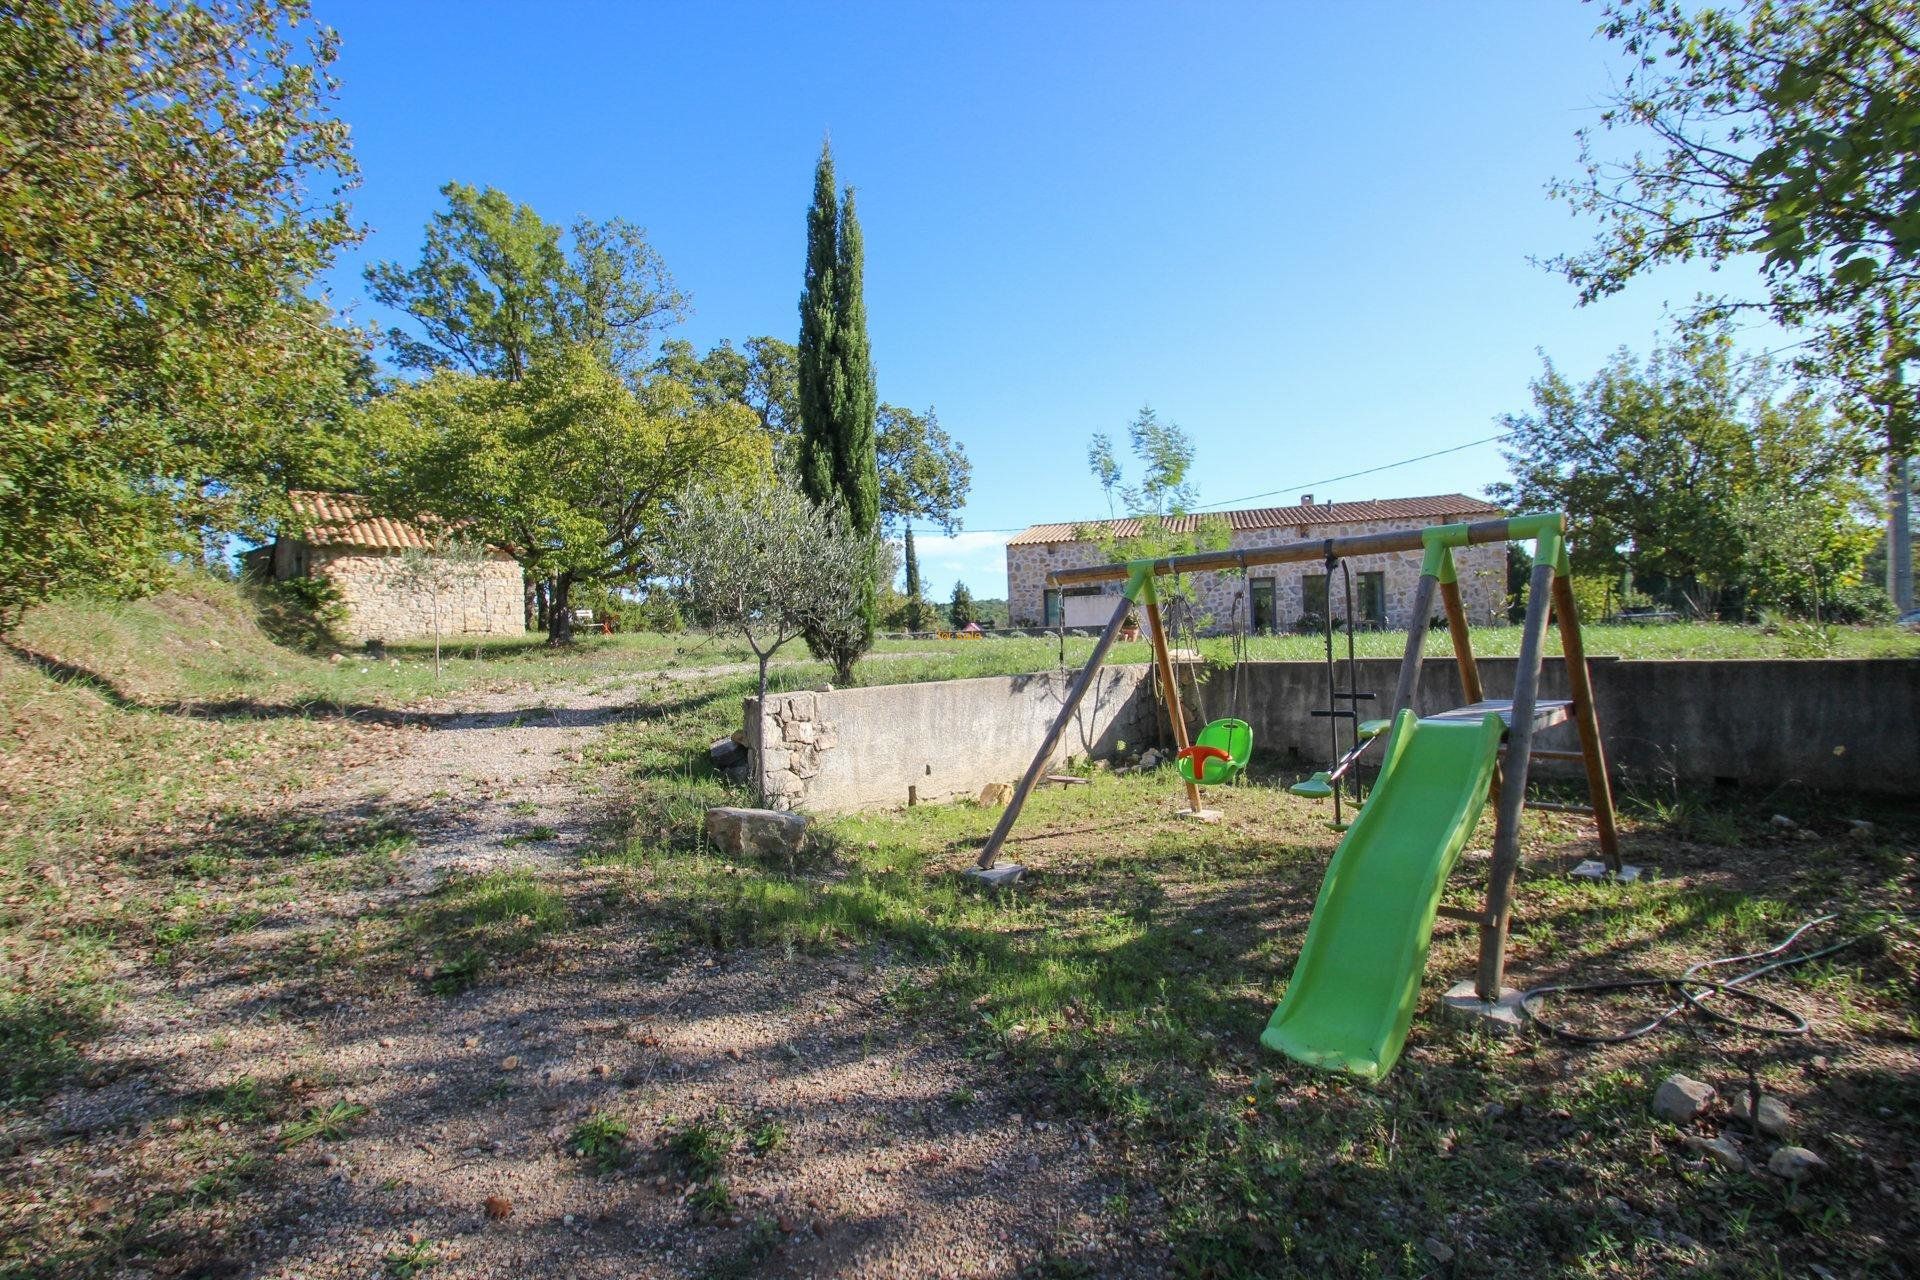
<point x="363" y="555"/>
<point x="1282" y="597"/>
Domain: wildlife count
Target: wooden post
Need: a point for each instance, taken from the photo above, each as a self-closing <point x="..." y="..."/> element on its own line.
<point x="1076" y="693"/>
<point x="1409" y="683"/>
<point x="1513" y="791"/>
<point x="1462" y="645"/>
<point x="1170" y="686"/>
<point x="1586" y="719"/>
<point x="1463" y="658"/>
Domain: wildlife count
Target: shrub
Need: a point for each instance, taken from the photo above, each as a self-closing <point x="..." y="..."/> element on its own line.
<point x="659" y="613"/>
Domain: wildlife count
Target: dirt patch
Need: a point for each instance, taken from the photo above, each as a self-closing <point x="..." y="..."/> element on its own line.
<point x="297" y="1097"/>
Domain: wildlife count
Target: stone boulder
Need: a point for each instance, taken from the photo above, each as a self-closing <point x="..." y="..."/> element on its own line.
<point x="1771" y="1117"/>
<point x="755" y="832"/>
<point x="1795" y="1164"/>
<point x="1680" y="1098"/>
<point x="726" y="753"/>
<point x="996" y="795"/>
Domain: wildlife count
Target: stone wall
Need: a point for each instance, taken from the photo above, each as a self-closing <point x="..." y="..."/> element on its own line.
<point x="1482" y="571"/>
<point x="1840" y="724"/>
<point x="1843" y="725"/>
<point x="880" y="747"/>
<point x="483" y="598"/>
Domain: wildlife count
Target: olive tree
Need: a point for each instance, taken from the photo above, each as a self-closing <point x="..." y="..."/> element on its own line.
<point x="769" y="565"/>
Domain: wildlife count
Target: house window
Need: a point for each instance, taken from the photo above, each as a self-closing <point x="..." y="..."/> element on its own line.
<point x="1263" y="617"/>
<point x="1313" y="597"/>
<point x="1373" y="598"/>
<point x="1050" y="608"/>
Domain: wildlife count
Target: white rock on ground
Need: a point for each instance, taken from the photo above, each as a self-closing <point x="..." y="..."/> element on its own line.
<point x="1795" y="1164"/>
<point x="1773" y="1117"/>
<point x="1680" y="1098"/>
<point x="759" y="832"/>
<point x="1721" y="1151"/>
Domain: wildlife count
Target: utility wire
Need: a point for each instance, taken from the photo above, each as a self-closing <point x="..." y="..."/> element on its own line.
<point x="1286" y="488"/>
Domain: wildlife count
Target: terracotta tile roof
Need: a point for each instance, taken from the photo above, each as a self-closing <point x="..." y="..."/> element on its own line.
<point x="1444" y="506"/>
<point x="347" y="520"/>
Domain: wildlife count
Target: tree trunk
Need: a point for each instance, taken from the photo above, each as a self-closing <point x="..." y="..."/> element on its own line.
<point x="760" y="710"/>
<point x="913" y="584"/>
<point x="559" y="617"/>
<point x="530" y="601"/>
<point x="1900" y="531"/>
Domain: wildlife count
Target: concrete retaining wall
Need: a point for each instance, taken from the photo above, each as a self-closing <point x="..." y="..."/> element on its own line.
<point x="864" y="748"/>
<point x="1839" y="724"/>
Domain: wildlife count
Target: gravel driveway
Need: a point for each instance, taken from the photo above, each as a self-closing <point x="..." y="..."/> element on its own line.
<point x="892" y="1153"/>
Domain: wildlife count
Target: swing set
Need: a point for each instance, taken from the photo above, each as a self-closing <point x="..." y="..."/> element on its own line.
<point x="1357" y="978"/>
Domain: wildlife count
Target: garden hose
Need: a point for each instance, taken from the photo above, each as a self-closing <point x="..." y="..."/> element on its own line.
<point x="1694" y="992"/>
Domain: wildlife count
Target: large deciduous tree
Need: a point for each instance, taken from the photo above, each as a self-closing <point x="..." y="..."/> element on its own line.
<point x="1658" y="465"/>
<point x="571" y="469"/>
<point x="498" y="287"/>
<point x="173" y="181"/>
<point x="924" y="475"/>
<point x="838" y="403"/>
<point x="1785" y="131"/>
<point x="761" y="374"/>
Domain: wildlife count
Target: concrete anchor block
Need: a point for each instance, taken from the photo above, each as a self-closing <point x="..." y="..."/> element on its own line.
<point x="1199" y="815"/>
<point x="1501" y="1016"/>
<point x="1594" y="869"/>
<point x="1004" y="873"/>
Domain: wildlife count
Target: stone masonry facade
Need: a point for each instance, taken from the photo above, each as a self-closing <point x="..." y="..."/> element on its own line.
<point x="787" y="740"/>
<point x="383" y="602"/>
<point x="1221" y="600"/>
<point x="341" y="537"/>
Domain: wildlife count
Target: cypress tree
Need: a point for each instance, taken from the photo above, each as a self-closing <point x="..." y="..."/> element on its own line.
<point x="838" y="401"/>
<point x="856" y="464"/>
<point x="816" y="374"/>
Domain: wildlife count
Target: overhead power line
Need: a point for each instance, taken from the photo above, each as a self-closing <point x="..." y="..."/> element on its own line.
<point x="1285" y="488"/>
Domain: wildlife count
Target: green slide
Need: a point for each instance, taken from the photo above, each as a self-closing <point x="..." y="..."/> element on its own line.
<point x="1358" y="976"/>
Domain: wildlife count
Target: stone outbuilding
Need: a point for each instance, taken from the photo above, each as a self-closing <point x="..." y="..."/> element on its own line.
<point x="364" y="555"/>
<point x="1283" y="597"/>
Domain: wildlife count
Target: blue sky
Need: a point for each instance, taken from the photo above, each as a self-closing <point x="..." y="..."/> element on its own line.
<point x="1302" y="231"/>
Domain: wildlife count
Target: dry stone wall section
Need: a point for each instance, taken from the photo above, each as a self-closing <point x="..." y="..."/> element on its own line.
<point x="384" y="602"/>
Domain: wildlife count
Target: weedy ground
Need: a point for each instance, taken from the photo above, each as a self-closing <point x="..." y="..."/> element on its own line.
<point x="237" y="1036"/>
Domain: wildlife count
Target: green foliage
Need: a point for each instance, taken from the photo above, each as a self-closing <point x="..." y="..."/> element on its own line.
<point x="306" y="611"/>
<point x="496" y="291"/>
<point x="504" y="460"/>
<point x="659" y="612"/>
<point x="960" y="610"/>
<point x="1161" y="501"/>
<point x="764" y="377"/>
<point x="701" y="1146"/>
<point x="329" y="1122"/>
<point x="838" y="403"/>
<point x="925" y="475"/>
<point x="602" y="1139"/>
<point x="174" y="181"/>
<point x="1782" y="130"/>
<point x="768" y="565"/>
<point x="1669" y="470"/>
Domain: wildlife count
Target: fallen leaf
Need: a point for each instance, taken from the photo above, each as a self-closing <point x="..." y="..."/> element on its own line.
<point x="498" y="1207"/>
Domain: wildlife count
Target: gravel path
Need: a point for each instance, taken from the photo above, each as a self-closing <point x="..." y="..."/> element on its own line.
<point x="897" y="1155"/>
<point x="491" y="782"/>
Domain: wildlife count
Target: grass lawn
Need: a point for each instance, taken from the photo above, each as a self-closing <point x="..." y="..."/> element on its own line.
<point x="1126" y="981"/>
<point x="150" y="754"/>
